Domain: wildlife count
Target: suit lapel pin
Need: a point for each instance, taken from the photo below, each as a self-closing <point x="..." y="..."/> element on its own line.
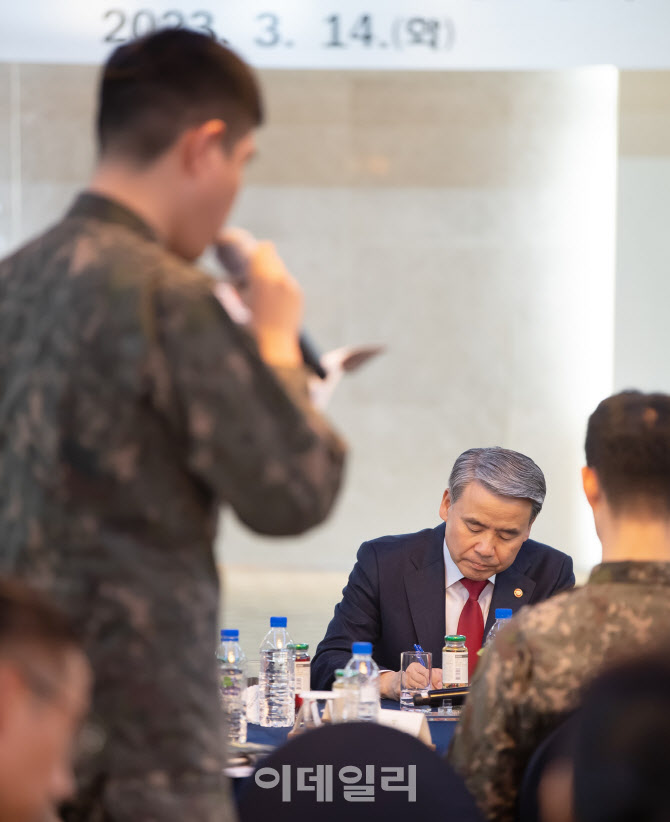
<point x="518" y="593"/>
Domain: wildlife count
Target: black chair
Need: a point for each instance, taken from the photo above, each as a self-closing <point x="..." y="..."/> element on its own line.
<point x="355" y="771"/>
<point x="553" y="747"/>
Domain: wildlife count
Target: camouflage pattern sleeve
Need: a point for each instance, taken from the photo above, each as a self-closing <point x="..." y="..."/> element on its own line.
<point x="532" y="677"/>
<point x="250" y="434"/>
<point x="496" y="736"/>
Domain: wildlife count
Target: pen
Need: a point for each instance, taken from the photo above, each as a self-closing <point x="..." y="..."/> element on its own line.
<point x="420" y="650"/>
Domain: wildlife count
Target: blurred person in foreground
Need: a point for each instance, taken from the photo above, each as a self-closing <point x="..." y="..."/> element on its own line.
<point x="614" y="752"/>
<point x="535" y="671"/>
<point x="132" y="407"/>
<point x="44" y="691"/>
<point x="415" y="588"/>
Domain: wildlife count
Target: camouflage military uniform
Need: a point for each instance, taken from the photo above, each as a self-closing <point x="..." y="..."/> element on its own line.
<point x="130" y="407"/>
<point x="538" y="666"/>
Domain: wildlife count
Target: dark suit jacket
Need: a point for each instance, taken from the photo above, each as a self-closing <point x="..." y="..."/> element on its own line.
<point x="395" y="597"/>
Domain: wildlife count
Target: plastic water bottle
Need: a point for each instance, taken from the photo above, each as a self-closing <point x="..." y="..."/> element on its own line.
<point x="232" y="685"/>
<point x="503" y="616"/>
<point x="362" y="676"/>
<point x="276" y="681"/>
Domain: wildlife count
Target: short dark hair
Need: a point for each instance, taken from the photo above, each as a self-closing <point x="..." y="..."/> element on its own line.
<point x="32" y="630"/>
<point x="154" y="88"/>
<point x="628" y="446"/>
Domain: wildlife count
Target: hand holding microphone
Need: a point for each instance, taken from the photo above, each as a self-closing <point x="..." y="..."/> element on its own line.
<point x="272" y="296"/>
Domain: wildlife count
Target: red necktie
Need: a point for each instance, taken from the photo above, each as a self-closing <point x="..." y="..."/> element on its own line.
<point x="471" y="621"/>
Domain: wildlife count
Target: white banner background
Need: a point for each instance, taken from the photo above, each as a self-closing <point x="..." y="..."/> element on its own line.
<point x="373" y="34"/>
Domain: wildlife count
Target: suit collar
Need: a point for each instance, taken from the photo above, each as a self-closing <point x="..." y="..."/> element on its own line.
<point x="424" y="586"/>
<point x="523" y="561"/>
<point x="513" y="588"/>
<point x="427" y="549"/>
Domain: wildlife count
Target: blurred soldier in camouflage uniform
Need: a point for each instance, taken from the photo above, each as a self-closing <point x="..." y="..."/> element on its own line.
<point x="131" y="407"/>
<point x="535" y="671"/>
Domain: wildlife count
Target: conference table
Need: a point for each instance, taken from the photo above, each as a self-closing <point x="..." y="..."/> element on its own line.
<point x="441" y="730"/>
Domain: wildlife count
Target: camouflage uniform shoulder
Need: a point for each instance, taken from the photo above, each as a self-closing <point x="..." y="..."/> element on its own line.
<point x="652" y="574"/>
<point x="126" y="269"/>
<point x="534" y="626"/>
<point x="538" y="616"/>
<point x="130" y="257"/>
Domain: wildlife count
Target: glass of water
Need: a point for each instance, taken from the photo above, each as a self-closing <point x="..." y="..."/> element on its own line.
<point x="415" y="670"/>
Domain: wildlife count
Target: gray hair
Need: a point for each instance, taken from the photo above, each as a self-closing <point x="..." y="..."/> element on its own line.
<point x="502" y="472"/>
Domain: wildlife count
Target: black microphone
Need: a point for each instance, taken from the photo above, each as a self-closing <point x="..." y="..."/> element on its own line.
<point x="457" y="695"/>
<point x="233" y="253"/>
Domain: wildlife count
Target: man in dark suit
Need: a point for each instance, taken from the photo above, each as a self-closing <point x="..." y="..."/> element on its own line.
<point x="415" y="588"/>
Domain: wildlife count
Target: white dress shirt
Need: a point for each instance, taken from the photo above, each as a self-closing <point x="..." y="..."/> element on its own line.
<point x="456" y="594"/>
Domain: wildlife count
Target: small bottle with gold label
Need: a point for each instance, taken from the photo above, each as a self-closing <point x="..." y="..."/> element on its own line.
<point x="454" y="668"/>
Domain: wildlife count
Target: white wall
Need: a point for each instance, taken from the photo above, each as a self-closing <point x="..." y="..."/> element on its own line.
<point x="465" y="219"/>
<point x="643" y="240"/>
<point x="474" y="236"/>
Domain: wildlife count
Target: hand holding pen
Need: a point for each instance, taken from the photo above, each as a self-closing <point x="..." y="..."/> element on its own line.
<point x="436" y="673"/>
<point x="420" y="650"/>
<point x="415" y="669"/>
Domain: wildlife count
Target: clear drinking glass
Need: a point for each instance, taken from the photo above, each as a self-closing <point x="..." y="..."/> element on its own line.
<point x="415" y="671"/>
<point x="317" y="707"/>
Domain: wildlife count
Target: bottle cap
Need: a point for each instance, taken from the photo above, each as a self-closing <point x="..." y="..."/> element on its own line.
<point x="503" y="613"/>
<point x="454" y="638"/>
<point x="361" y="648"/>
<point x="301" y="646"/>
<point x="230" y="635"/>
<point x="339" y="673"/>
<point x="278" y="622"/>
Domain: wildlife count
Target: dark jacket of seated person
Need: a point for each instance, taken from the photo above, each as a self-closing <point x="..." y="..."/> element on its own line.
<point x="407" y="589"/>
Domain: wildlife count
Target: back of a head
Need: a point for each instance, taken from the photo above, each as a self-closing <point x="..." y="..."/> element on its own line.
<point x="622" y="745"/>
<point x="628" y="446"/>
<point x="154" y="88"/>
<point x="403" y="778"/>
